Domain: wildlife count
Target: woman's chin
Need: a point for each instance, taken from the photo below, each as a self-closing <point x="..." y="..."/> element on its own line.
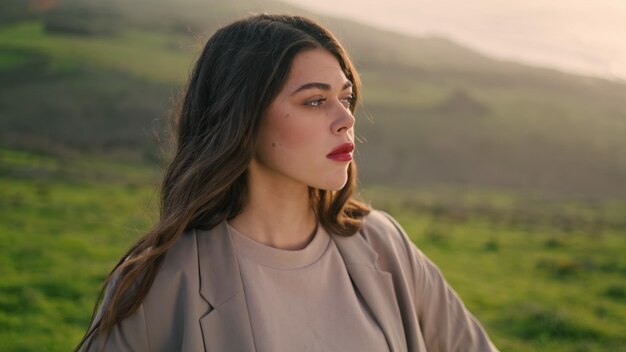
<point x="333" y="185"/>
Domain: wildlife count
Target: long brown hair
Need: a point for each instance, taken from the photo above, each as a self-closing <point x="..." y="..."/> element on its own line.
<point x="241" y="70"/>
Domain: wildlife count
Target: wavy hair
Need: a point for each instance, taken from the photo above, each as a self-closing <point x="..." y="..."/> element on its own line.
<point x="241" y="69"/>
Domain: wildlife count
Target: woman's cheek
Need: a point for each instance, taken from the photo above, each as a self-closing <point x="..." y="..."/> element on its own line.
<point x="292" y="132"/>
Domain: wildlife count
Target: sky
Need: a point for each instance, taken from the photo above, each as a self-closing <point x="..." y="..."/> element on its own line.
<point x="580" y="36"/>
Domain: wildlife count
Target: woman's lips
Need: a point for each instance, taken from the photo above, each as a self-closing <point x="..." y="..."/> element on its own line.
<point x="342" y="152"/>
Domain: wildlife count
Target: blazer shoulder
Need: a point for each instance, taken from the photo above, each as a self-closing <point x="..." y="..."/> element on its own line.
<point x="379" y="226"/>
<point x="183" y="254"/>
<point x="387" y="238"/>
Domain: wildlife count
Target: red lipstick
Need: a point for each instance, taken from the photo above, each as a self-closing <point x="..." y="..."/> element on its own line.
<point x="342" y="152"/>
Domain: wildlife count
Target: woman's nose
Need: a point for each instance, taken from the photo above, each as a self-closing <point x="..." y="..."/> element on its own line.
<point x="344" y="120"/>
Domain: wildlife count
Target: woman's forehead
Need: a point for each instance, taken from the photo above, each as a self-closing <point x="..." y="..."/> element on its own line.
<point x="315" y="66"/>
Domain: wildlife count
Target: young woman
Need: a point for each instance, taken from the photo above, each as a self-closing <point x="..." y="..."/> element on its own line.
<point x="260" y="245"/>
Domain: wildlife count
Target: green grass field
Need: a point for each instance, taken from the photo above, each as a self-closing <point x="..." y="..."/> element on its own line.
<point x="551" y="279"/>
<point x="62" y="226"/>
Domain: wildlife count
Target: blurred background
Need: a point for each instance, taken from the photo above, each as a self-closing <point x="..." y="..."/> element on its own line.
<point x="495" y="132"/>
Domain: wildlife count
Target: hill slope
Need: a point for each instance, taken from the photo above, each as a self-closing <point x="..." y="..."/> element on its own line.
<point x="101" y="77"/>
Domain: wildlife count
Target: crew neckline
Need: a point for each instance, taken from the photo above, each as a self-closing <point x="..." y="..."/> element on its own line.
<point x="277" y="258"/>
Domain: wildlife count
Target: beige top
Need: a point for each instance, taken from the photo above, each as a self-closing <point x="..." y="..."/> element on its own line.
<point x="303" y="300"/>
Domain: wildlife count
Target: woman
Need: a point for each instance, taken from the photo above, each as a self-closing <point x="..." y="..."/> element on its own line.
<point x="260" y="245"/>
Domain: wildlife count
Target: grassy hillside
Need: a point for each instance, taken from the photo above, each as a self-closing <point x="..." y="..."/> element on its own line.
<point x="102" y="77"/>
<point x="540" y="274"/>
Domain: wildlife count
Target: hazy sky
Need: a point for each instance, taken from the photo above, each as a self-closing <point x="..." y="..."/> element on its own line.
<point x="585" y="36"/>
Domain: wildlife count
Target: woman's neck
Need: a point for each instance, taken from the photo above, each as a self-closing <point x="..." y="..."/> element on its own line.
<point x="277" y="215"/>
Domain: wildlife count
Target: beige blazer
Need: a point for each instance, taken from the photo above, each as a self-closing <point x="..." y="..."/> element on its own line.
<point x="197" y="302"/>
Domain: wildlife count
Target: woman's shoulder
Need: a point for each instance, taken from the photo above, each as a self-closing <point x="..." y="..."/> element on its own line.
<point x="183" y="255"/>
<point x="387" y="238"/>
<point x="379" y="226"/>
<point x="195" y="253"/>
<point x="380" y="221"/>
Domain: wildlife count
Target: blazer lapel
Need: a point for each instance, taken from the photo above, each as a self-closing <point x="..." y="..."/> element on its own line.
<point x="227" y="326"/>
<point x="375" y="286"/>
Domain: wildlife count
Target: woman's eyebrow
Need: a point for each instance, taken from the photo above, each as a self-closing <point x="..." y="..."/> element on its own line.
<point x="319" y="85"/>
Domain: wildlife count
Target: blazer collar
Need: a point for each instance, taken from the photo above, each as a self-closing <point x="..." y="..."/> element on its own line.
<point x="220" y="278"/>
<point x="227" y="326"/>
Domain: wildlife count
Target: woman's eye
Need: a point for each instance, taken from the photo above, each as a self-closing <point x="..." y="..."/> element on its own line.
<point x="316" y="102"/>
<point x="348" y="101"/>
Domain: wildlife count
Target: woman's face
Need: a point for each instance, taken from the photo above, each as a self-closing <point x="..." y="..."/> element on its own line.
<point x="307" y="133"/>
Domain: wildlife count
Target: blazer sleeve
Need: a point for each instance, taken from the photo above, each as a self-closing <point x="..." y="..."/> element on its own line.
<point x="129" y="335"/>
<point x="445" y="322"/>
